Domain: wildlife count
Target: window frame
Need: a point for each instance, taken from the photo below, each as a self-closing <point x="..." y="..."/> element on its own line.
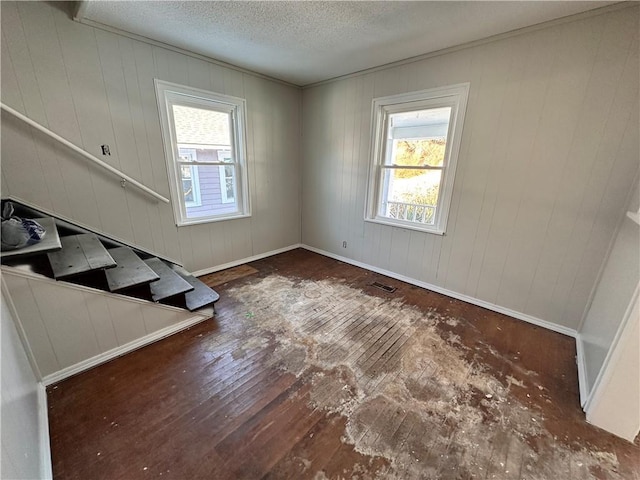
<point x="454" y="96"/>
<point x="195" y="180"/>
<point x="169" y="94"/>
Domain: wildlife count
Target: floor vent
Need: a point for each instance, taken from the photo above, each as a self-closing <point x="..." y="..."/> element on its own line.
<point x="381" y="286"/>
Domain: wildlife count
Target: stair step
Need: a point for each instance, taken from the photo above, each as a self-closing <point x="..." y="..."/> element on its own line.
<point x="130" y="270"/>
<point x="201" y="295"/>
<point x="49" y="243"/>
<point x="79" y="254"/>
<point x="170" y="282"/>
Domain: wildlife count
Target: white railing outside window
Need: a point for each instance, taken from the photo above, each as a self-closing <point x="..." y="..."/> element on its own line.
<point x="411" y="212"/>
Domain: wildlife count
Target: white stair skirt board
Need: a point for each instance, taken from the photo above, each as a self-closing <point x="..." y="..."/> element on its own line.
<point x="70" y="328"/>
<point x="122" y="350"/>
<point x="450" y="293"/>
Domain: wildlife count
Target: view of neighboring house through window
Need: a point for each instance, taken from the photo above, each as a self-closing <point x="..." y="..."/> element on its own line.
<point x="416" y="142"/>
<point x="204" y="146"/>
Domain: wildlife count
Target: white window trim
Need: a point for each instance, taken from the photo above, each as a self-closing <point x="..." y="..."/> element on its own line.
<point x="454" y="96"/>
<point x="223" y="185"/>
<point x="195" y="181"/>
<point x="168" y="94"/>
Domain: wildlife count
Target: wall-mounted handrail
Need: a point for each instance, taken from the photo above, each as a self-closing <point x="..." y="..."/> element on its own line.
<point x="124" y="178"/>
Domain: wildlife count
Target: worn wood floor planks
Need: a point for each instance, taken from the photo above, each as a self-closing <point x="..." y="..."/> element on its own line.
<point x="308" y="372"/>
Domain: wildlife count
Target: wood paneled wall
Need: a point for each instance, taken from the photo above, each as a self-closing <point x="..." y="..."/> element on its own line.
<point x="549" y="154"/>
<point x="94" y="87"/>
<point x="68" y="325"/>
<point x="23" y="454"/>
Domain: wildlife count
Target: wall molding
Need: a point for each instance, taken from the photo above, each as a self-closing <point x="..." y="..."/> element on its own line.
<point x="494" y="38"/>
<point x="79" y="17"/>
<point x="450" y="293"/>
<point x="122" y="350"/>
<point x="46" y="471"/>
<point x="242" y="261"/>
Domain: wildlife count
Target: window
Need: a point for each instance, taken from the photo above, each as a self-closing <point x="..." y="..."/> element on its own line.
<point x="204" y="138"/>
<point x="227" y="179"/>
<point x="189" y="178"/>
<point x="416" y="138"/>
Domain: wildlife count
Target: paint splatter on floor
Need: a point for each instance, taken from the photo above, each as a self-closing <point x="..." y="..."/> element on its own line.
<point x="411" y="392"/>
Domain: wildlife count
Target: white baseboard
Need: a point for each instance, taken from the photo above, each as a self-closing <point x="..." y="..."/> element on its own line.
<point x="46" y="472"/>
<point x="450" y="293"/>
<point x="242" y="261"/>
<point x="121" y="350"/>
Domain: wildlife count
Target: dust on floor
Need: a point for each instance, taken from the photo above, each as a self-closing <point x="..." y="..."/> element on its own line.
<point x="408" y="391"/>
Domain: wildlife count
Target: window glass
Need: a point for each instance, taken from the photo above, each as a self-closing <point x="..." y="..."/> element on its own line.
<point x="416" y="143"/>
<point x="204" y="136"/>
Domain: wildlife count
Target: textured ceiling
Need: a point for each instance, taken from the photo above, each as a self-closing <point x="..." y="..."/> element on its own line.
<point x="304" y="42"/>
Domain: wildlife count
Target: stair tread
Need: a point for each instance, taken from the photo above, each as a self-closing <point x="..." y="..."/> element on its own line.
<point x="79" y="254"/>
<point x="50" y="242"/>
<point x="170" y="282"/>
<point x="201" y="295"/>
<point x="130" y="270"/>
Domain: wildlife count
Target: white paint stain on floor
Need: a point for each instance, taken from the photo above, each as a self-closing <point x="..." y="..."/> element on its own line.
<point x="407" y="390"/>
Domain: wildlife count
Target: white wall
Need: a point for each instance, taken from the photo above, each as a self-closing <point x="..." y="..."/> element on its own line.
<point x="548" y="156"/>
<point x="70" y="327"/>
<point x="22" y="453"/>
<point x="94" y="87"/>
<point x="615" y="403"/>
<point x="611" y="300"/>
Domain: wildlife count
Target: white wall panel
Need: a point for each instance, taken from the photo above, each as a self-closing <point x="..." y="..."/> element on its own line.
<point x="67" y="324"/>
<point x="22" y="455"/>
<point x="95" y="87"/>
<point x="548" y="155"/>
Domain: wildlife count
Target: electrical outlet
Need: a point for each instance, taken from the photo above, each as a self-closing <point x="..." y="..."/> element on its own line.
<point x="105" y="150"/>
<point x="344" y="244"/>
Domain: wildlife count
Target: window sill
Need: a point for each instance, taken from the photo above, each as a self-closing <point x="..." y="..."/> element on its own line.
<point x="198" y="221"/>
<point x="405" y="225"/>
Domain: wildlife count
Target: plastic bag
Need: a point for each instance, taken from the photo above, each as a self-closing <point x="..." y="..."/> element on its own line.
<point x="18" y="232"/>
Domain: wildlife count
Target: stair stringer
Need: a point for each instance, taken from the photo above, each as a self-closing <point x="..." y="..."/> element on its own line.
<point x="70" y="328"/>
<point x="91" y="229"/>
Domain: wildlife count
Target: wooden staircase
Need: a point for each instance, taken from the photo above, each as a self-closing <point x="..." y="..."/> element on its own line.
<point x="73" y="254"/>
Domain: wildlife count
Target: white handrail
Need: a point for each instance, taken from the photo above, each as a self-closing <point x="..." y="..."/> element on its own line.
<point x="124" y="179"/>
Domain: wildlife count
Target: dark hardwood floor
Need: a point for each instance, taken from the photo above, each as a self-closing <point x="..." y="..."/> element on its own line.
<point x="308" y="371"/>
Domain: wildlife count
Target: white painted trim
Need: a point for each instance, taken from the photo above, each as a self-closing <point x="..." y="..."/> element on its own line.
<point x="122" y="350"/>
<point x="46" y="472"/>
<point x="450" y="293"/>
<point x="612" y="355"/>
<point x="582" y="370"/>
<point x="452" y="96"/>
<point x="79" y="17"/>
<point x="93" y="229"/>
<point x="483" y="41"/>
<point x="19" y="328"/>
<point x="7" y="270"/>
<point x="169" y="94"/>
<point x="635" y="216"/>
<point x="242" y="261"/>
